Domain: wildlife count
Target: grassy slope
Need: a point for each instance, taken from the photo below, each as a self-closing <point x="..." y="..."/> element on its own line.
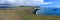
<point x="25" y="14"/>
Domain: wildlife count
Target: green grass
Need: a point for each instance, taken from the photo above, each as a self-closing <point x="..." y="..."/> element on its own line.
<point x="26" y="14"/>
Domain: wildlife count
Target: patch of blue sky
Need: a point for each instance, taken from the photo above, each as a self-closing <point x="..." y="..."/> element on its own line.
<point x="56" y="3"/>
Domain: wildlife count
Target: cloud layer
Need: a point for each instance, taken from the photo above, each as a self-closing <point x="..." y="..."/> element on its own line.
<point x="26" y="2"/>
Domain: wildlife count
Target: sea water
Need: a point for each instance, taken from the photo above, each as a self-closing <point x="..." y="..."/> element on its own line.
<point x="49" y="11"/>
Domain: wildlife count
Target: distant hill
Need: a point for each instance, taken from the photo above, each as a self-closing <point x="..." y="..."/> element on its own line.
<point x="29" y="6"/>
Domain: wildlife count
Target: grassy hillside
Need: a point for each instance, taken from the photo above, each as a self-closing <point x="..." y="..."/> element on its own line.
<point x="25" y="13"/>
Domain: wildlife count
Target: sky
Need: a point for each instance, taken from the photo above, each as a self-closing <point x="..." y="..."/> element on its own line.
<point x="43" y="3"/>
<point x="25" y="2"/>
<point x="55" y="3"/>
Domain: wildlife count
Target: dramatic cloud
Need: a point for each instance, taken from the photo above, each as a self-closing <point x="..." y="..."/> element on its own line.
<point x="26" y="2"/>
